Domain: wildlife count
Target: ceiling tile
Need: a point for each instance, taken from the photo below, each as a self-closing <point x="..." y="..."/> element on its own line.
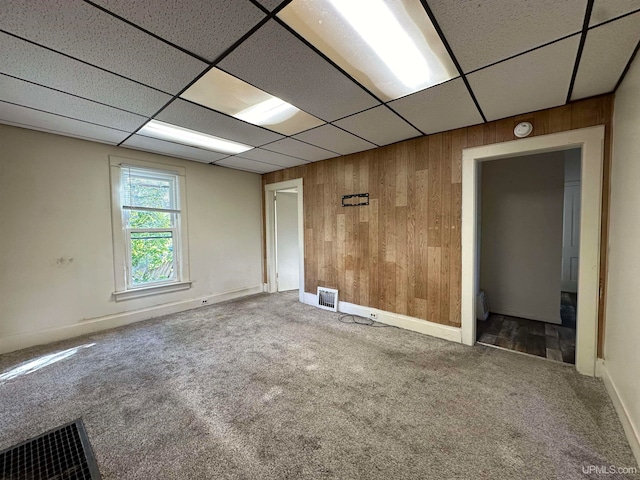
<point x="48" y="122"/>
<point x="204" y="28"/>
<point x="436" y="109"/>
<point x="82" y="31"/>
<point x="539" y="79"/>
<point x="378" y="125"/>
<point x="606" y="52"/>
<point x="195" y="117"/>
<point x="604" y="10"/>
<point x="227" y="94"/>
<point x="248" y="165"/>
<point x="390" y="48"/>
<point x="276" y="61"/>
<point x="295" y="148"/>
<point x="36" y="64"/>
<point x="155" y="145"/>
<point x="483" y="32"/>
<point x="27" y="94"/>
<point x="273" y="158"/>
<point x="334" y="139"/>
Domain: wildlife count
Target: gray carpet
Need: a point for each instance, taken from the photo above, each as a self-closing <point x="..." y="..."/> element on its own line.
<point x="266" y="387"/>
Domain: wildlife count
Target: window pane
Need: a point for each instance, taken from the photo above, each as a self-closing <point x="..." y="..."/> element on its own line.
<point x="147" y="190"/>
<point x="151" y="257"/>
<point x="144" y="219"/>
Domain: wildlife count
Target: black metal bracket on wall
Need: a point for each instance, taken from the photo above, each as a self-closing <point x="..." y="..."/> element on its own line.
<point x="355" y="196"/>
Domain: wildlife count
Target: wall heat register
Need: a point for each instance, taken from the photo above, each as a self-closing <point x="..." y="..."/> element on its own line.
<point x="328" y="298"/>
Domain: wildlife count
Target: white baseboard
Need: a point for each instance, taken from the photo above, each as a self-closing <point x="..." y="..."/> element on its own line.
<point x="42" y="337"/>
<point x="632" y="432"/>
<point x="446" y="332"/>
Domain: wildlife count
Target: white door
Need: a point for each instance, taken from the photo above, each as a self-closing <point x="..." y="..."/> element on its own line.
<point x="287" y="254"/>
<point x="571" y="237"/>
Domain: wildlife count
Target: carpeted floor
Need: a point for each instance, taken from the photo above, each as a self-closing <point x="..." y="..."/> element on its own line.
<point x="268" y="388"/>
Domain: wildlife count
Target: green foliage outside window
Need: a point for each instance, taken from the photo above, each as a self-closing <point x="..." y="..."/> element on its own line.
<point x="152" y="253"/>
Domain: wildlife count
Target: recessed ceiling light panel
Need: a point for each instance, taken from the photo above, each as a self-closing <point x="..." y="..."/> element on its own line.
<point x="390" y="47"/>
<point x="227" y="94"/>
<point x="174" y="133"/>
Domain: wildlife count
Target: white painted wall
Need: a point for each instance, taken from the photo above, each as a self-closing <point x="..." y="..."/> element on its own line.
<point x="56" y="254"/>
<point x="521" y="232"/>
<point x="622" y="330"/>
<point x="287" y="249"/>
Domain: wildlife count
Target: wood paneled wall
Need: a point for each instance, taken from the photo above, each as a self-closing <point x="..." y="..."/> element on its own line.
<point x="401" y="253"/>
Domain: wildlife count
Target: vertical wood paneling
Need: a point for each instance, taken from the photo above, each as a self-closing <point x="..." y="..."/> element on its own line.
<point x="402" y="252"/>
<point x="504" y="130"/>
<point x="411" y="231"/>
<point x="434" y="207"/>
<point x="433" y="282"/>
<point x="455" y="256"/>
<point x="560" y="121"/>
<point x="458" y="143"/>
<point x="422" y="226"/>
<point x="373" y="261"/>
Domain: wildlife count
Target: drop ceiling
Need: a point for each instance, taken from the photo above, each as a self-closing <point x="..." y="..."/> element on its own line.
<point x="100" y="70"/>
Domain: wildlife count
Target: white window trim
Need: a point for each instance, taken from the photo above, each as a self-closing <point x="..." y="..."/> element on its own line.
<point x="120" y="249"/>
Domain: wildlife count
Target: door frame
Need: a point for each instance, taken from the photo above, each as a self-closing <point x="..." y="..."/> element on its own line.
<point x="591" y="142"/>
<point x="270" y="222"/>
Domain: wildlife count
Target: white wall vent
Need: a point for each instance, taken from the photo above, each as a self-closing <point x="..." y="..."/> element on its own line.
<point x="328" y="298"/>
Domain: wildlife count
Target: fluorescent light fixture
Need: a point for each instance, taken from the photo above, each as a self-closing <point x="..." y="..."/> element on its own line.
<point x="389" y="46"/>
<point x="173" y="133"/>
<point x="227" y="94"/>
<point x="395" y="48"/>
<point x="273" y="110"/>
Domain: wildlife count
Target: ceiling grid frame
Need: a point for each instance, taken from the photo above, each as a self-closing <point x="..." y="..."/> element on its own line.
<point x="148" y="32"/>
<point x="583" y="38"/>
<point x="70" y="94"/>
<point x="271" y="15"/>
<point x="341" y="70"/>
<point x="452" y="55"/>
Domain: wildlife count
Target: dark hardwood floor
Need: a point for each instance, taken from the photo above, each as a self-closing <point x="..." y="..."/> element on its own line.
<point x="555" y="342"/>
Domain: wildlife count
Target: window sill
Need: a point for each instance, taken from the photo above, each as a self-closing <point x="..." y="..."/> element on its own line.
<point x="153" y="290"/>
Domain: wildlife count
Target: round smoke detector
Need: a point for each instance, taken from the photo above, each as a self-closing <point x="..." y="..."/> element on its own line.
<point x="523" y="129"/>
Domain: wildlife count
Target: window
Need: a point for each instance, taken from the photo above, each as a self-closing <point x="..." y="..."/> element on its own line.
<point x="150" y="216"/>
<point x="149" y="228"/>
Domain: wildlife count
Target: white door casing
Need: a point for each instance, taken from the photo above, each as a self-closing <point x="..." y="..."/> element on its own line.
<point x="270" y="211"/>
<point x="591" y="142"/>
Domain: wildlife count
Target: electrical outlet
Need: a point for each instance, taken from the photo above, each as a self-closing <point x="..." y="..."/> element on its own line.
<point x="373" y="315"/>
<point x="205" y="302"/>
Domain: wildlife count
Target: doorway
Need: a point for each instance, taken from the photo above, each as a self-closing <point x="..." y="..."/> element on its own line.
<point x="590" y="142"/>
<point x="528" y="235"/>
<point x="285" y="237"/>
<point x="286" y="240"/>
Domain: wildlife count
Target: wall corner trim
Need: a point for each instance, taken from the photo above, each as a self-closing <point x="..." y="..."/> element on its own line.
<point x="446" y="332"/>
<point x="632" y="431"/>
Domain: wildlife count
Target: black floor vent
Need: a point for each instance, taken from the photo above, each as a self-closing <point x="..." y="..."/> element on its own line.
<point x="61" y="454"/>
